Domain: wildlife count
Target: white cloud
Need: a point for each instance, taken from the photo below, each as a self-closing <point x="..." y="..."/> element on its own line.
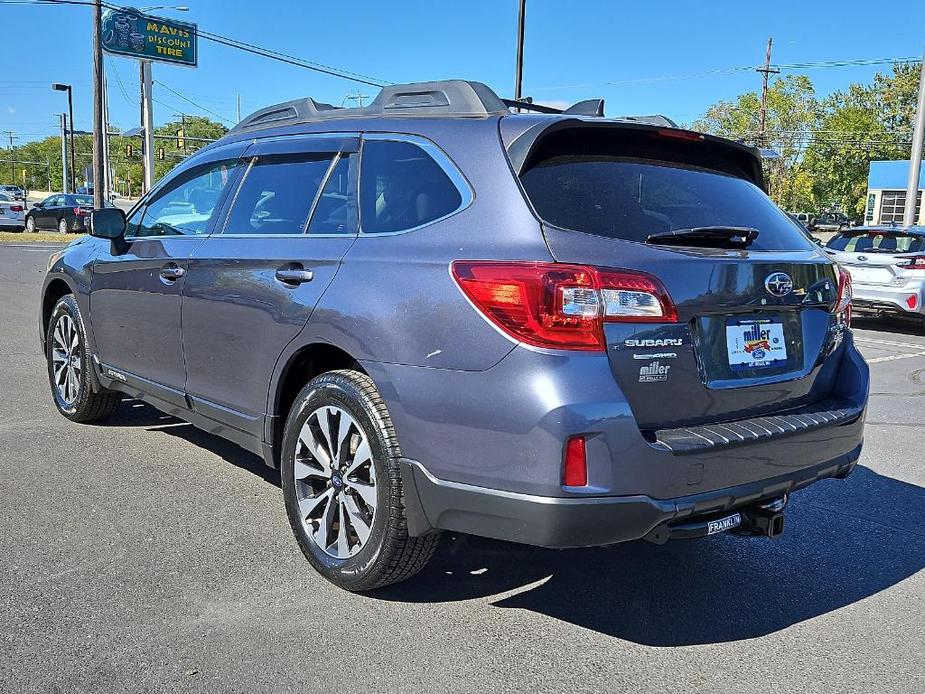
<point x="10" y="109"/>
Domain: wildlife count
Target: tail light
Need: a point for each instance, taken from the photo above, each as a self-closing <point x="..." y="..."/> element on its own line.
<point x="575" y="465"/>
<point x="845" y="294"/>
<point x="916" y="263"/>
<point x="561" y="306"/>
<point x="16" y="208"/>
<point x="80" y="212"/>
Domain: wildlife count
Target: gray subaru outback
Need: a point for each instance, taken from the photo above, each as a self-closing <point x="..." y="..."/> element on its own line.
<point x="436" y="313"/>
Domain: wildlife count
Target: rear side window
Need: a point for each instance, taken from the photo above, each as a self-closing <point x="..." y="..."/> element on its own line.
<point x="877" y="243"/>
<point x="402" y="187"/>
<point x="630" y="198"/>
<point x="277" y="193"/>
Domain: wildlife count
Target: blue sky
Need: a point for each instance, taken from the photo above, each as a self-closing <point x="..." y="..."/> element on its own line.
<point x="574" y="50"/>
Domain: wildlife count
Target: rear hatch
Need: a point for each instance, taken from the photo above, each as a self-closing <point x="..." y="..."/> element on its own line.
<point x="879" y="257"/>
<point x="753" y="295"/>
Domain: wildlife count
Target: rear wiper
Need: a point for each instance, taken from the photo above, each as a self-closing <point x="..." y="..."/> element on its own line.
<point x="737" y="236"/>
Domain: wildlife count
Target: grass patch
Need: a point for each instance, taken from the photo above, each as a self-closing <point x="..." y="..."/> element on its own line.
<point x="37" y="237"/>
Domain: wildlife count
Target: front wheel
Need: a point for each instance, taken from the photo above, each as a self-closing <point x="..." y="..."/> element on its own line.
<point x="342" y="485"/>
<point x="30" y="224"/>
<point x="69" y="365"/>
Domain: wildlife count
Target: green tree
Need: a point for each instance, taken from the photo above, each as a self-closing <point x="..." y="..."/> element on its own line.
<point x="861" y="124"/>
<point x="792" y="113"/>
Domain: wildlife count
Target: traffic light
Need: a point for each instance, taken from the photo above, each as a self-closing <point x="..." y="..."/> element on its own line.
<point x="181" y="142"/>
<point x="161" y="154"/>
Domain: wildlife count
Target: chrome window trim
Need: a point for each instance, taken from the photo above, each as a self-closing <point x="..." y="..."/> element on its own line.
<point x="466" y="193"/>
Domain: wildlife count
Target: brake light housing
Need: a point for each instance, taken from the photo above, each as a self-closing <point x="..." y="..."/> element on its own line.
<point x="559" y="305"/>
<point x="16" y="208"/>
<point x="845" y="294"/>
<point x="915" y="263"/>
<point x="80" y="212"/>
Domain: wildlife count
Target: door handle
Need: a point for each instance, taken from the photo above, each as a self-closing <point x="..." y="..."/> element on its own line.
<point x="172" y="272"/>
<point x="289" y="275"/>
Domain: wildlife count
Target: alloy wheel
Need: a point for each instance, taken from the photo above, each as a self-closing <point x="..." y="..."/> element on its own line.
<point x="65" y="357"/>
<point x="335" y="482"/>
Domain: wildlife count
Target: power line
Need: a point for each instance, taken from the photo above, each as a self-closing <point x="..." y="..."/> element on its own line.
<point x="187" y="99"/>
<point x="720" y="72"/>
<point x="235" y="43"/>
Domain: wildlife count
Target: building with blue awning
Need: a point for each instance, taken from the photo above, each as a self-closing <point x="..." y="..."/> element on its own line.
<point x="886" y="192"/>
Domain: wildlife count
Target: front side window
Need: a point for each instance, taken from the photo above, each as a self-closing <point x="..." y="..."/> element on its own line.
<point x="277" y="193"/>
<point x="335" y="210"/>
<point x="185" y="205"/>
<point x="402" y="187"/>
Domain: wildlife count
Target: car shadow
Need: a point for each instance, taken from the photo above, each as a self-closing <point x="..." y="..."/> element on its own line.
<point x="139" y="414"/>
<point x="887" y="324"/>
<point x="844" y="541"/>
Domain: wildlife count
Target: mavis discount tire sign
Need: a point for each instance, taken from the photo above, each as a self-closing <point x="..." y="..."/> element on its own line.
<point x="128" y="32"/>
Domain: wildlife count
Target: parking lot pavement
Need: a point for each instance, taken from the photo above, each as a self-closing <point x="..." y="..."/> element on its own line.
<point x="143" y="555"/>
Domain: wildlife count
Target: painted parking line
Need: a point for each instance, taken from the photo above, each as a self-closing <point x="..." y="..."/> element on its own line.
<point x="895" y="357"/>
<point x="875" y="342"/>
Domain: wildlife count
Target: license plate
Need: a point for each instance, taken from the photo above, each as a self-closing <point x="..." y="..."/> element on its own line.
<point x="755" y="344"/>
<point x="869" y="274"/>
<point x="724" y="524"/>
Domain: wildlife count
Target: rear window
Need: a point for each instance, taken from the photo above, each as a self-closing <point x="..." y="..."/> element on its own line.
<point x="876" y="242"/>
<point x="83" y="200"/>
<point x="629" y="198"/>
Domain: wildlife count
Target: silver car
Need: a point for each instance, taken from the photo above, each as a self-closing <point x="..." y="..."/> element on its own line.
<point x="887" y="267"/>
<point x="12" y="213"/>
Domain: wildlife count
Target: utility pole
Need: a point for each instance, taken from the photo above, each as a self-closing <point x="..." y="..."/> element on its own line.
<point x="239" y="108"/>
<point x="915" y="163"/>
<point x="358" y="97"/>
<point x="63" y="153"/>
<point x="519" y="75"/>
<point x="766" y="72"/>
<point x="99" y="174"/>
<point x="147" y="126"/>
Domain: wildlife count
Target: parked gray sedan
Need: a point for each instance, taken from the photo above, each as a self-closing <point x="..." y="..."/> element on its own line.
<point x="887" y="266"/>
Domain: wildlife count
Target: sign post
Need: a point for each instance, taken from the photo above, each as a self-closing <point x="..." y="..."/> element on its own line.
<point x="130" y="33"/>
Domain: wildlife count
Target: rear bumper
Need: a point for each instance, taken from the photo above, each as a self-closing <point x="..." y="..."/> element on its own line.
<point x="558" y="522"/>
<point x="869" y="299"/>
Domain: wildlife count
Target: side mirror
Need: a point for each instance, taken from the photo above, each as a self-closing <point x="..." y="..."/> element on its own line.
<point x="36" y="206"/>
<point x="107" y="223"/>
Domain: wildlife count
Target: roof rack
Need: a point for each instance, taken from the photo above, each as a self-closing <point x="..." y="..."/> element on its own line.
<point x="440" y="98"/>
<point x="588" y="107"/>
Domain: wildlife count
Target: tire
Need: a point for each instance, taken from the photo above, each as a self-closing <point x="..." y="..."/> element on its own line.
<point x="69" y="367"/>
<point x="30" y="224"/>
<point x="317" y="497"/>
<point x="62" y="225"/>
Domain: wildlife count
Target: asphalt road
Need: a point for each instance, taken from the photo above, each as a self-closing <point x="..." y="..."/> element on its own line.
<point x="143" y="555"/>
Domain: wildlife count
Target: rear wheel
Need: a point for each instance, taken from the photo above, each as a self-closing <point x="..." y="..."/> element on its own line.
<point x="69" y="365"/>
<point x="62" y="225"/>
<point x="342" y="485"/>
<point x="30" y="224"/>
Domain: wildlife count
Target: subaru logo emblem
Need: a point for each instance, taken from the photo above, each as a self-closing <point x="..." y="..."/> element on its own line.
<point x="778" y="284"/>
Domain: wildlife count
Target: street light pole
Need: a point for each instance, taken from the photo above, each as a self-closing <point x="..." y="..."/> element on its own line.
<point x="58" y="87"/>
<point x="915" y="162"/>
<point x="147" y="125"/>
